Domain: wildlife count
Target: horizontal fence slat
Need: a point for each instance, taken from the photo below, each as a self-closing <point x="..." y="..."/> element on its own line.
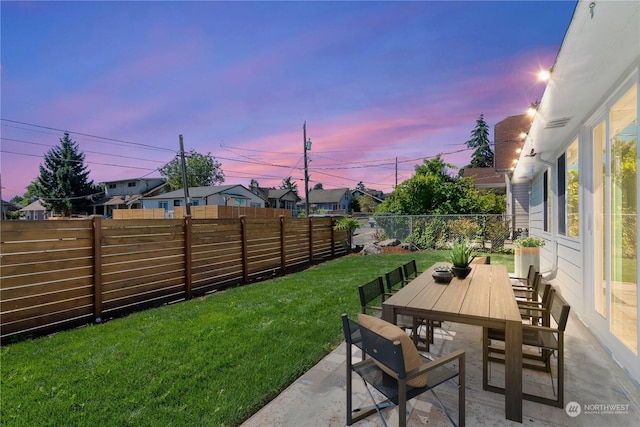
<point x="48" y="268"/>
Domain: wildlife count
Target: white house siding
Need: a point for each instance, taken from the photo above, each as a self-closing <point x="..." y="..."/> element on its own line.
<point x="520" y="205"/>
<point x="606" y="47"/>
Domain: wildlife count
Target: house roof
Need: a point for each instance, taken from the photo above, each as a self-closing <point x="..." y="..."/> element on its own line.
<point x="35" y="206"/>
<point x="599" y="48"/>
<point x="485" y="177"/>
<point x="327" y="196"/>
<point x="10" y="206"/>
<point x="118" y="200"/>
<point x="362" y="193"/>
<point x="127" y="199"/>
<point x="201" y="192"/>
<point x="277" y="193"/>
<point x="132" y="179"/>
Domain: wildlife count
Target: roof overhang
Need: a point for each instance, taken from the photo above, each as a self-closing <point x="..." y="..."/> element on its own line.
<point x="600" y="47"/>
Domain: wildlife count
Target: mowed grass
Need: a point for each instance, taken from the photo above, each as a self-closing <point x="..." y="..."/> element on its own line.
<point x="212" y="361"/>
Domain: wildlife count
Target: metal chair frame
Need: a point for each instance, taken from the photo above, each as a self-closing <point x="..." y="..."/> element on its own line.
<point x="547" y="339"/>
<point x="394" y="385"/>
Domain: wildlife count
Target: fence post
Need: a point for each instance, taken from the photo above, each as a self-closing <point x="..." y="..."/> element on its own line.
<point x="333" y="237"/>
<point x="243" y="238"/>
<point x="188" y="277"/>
<point x="96" y="222"/>
<point x="283" y="258"/>
<point x="310" y="239"/>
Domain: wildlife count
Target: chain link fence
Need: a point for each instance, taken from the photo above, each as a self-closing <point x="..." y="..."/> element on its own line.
<point x="493" y="233"/>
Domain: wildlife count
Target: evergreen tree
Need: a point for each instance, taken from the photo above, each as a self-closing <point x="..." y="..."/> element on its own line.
<point x="63" y="182"/>
<point x="287" y="184"/>
<point x="482" y="157"/>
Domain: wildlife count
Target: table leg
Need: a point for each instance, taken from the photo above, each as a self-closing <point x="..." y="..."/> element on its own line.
<point x="513" y="370"/>
<point x="388" y="313"/>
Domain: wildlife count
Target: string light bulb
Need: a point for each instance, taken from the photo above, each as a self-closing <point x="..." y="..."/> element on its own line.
<point x="544" y="75"/>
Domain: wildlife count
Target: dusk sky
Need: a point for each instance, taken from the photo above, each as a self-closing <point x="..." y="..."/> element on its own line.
<point x="374" y="81"/>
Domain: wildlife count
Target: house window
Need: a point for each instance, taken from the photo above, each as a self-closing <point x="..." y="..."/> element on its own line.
<point x="112" y="186"/>
<point x="562" y="186"/>
<point x="163" y="205"/>
<point x="568" y="192"/>
<point x="176" y="202"/>
<point x="131" y="184"/>
<point x="195" y="202"/>
<point x="573" y="190"/>
<point x="546" y="185"/>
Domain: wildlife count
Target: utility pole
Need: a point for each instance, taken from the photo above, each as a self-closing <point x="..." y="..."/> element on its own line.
<point x="396" y="173"/>
<point x="187" y="199"/>
<point x="307" y="146"/>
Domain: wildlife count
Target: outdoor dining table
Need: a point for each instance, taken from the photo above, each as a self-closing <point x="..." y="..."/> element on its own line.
<point x="484" y="298"/>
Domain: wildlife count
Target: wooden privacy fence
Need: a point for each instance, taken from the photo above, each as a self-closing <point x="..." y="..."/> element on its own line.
<point x="60" y="274"/>
<point x="222" y="212"/>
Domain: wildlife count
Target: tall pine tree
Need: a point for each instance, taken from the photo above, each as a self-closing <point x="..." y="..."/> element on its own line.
<point x="482" y="156"/>
<point x="287" y="184"/>
<point x="63" y="182"/>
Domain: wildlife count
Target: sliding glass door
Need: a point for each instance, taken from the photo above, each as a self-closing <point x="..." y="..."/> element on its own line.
<point x="615" y="145"/>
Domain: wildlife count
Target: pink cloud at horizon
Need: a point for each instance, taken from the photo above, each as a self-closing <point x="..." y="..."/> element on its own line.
<point x="373" y="81"/>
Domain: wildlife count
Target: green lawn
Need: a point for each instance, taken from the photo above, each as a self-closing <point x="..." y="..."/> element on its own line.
<point x="212" y="361"/>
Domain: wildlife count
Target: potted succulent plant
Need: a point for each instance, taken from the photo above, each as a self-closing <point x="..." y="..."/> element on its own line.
<point x="442" y="274"/>
<point x="461" y="258"/>
<point x="526" y="253"/>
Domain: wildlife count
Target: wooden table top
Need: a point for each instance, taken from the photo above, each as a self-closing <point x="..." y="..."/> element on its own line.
<point x="484" y="297"/>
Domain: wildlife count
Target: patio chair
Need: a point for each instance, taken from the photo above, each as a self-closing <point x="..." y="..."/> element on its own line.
<point x="547" y="340"/>
<point x="537" y="311"/>
<point x="529" y="292"/>
<point x="524" y="282"/>
<point x="394" y="280"/>
<point x="410" y="270"/>
<point x="372" y="295"/>
<point x="396" y="369"/>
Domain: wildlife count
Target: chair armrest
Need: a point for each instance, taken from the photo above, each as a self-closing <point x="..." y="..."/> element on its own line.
<point x="537" y="305"/>
<point x="541" y="328"/>
<point x="429" y="366"/>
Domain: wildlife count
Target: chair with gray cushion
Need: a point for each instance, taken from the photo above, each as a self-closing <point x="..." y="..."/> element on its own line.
<point x="395" y="368"/>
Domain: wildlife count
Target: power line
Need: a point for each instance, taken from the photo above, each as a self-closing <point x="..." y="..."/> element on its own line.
<point x="84" y="151"/>
<point x="78" y="161"/>
<point x="138" y="144"/>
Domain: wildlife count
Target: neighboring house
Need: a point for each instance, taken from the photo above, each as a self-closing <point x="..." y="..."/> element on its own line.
<point x="35" y="211"/>
<point x="580" y="162"/>
<point x="223" y="195"/>
<point x="277" y="198"/>
<point x="9" y="207"/>
<point x="508" y="137"/>
<point x="127" y="194"/>
<point x="329" y="201"/>
<point x="376" y="196"/>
